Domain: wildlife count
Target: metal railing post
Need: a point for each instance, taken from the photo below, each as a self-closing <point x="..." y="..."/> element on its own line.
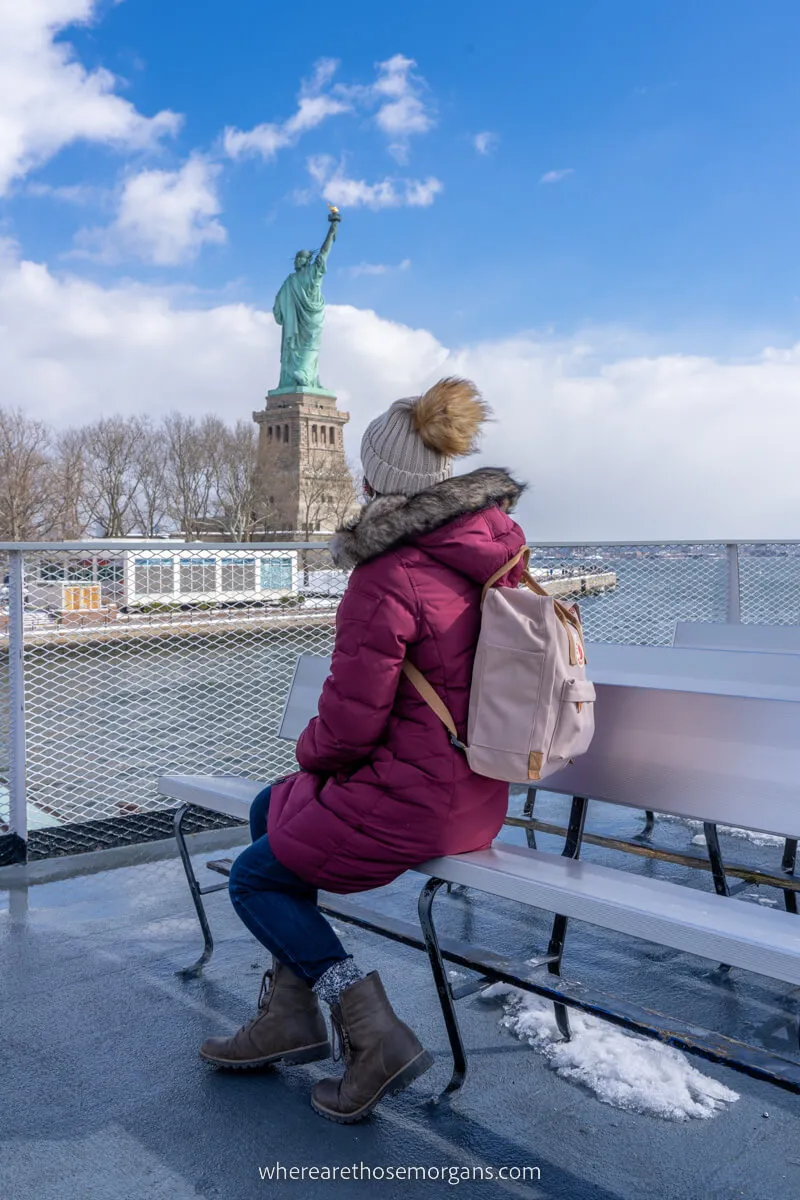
<point x="734" y="607"/>
<point x="18" y="809"/>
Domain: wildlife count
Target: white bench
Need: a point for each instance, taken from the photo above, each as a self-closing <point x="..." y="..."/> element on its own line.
<point x="694" y="670"/>
<point x="705" y="749"/>
<point x="765" y="639"/>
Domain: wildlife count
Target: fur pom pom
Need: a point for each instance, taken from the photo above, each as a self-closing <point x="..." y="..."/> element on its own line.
<point x="449" y="415"/>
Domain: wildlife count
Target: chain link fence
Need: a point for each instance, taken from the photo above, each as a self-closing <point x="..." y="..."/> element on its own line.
<point x="5" y="735"/>
<point x="635" y="594"/>
<point x="770" y="583"/>
<point x="148" y="659"/>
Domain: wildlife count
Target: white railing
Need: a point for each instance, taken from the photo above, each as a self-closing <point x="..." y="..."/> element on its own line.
<point x="123" y="660"/>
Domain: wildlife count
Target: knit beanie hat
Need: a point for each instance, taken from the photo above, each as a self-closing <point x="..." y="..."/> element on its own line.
<point x="411" y="446"/>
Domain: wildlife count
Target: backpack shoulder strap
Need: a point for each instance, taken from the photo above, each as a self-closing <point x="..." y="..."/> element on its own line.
<point x="509" y="566"/>
<point x="432" y="699"/>
<point x="564" y="614"/>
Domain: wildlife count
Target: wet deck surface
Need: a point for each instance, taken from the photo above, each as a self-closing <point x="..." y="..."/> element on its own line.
<point x="103" y="1096"/>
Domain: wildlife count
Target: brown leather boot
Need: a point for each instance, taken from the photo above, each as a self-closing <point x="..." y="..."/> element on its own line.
<point x="289" y="1027"/>
<point x="382" y="1055"/>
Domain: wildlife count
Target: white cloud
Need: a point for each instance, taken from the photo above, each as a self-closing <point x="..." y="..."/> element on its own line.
<point x="263" y="140"/>
<point x="368" y="268"/>
<point x="401" y="109"/>
<point x="338" y="188"/>
<point x="485" y="142"/>
<point x="48" y="99"/>
<point x="397" y="95"/>
<point x="76" y="193"/>
<point x="163" y="217"/>
<point x="557" y="176"/>
<point x="614" y="445"/>
<point x="314" y="106"/>
<point x="420" y="193"/>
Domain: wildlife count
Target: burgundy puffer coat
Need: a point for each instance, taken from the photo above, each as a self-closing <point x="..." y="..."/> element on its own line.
<point x="381" y="786"/>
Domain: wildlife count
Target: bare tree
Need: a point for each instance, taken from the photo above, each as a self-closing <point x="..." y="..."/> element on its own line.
<point x="120" y="476"/>
<point x="112" y="474"/>
<point x="346" y="492"/>
<point x="241" y="507"/>
<point x="151" y="500"/>
<point x="28" y="495"/>
<point x="69" y="467"/>
<point x="192" y="460"/>
<point x="327" y="493"/>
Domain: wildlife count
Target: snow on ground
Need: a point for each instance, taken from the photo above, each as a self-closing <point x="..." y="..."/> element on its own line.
<point x="626" y="1071"/>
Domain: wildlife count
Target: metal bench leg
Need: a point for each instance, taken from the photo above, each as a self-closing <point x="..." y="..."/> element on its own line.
<point x="527" y="811"/>
<point x="787" y="866"/>
<point x="556" y="947"/>
<point x="197" y="896"/>
<point x="721" y="886"/>
<point x="572" y="849"/>
<point x="649" y="824"/>
<point x="443" y="989"/>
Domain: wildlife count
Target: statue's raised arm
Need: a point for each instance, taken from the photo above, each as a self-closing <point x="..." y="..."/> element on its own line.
<point x="334" y="217"/>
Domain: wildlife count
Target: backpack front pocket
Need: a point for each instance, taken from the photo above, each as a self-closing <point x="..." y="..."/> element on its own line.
<point x="574" y="727"/>
<point x="506" y="685"/>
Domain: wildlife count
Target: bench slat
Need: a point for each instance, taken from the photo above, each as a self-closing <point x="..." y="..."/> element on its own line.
<point x="759" y="639"/>
<point x="766" y="941"/>
<point x="709" y="671"/>
<point x="228" y="794"/>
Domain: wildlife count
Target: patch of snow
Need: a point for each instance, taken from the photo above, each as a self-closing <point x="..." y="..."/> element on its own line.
<point x="755" y="898"/>
<point x="626" y="1071"/>
<point x="752" y="835"/>
<point x="748" y="835"/>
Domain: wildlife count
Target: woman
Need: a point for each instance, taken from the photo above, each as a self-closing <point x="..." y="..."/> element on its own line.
<point x="381" y="788"/>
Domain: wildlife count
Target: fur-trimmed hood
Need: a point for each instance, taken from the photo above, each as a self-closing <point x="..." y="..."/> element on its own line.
<point x="391" y="521"/>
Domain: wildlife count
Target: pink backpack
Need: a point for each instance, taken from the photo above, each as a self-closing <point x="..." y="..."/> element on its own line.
<point x="531" y="707"/>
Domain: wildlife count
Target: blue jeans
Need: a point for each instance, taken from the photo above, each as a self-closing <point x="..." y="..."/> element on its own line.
<point x="278" y="907"/>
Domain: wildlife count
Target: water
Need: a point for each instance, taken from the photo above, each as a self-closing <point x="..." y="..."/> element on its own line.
<point x="654" y="591"/>
<point x="104" y="720"/>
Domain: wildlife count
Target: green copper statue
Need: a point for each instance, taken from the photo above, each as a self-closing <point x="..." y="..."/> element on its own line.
<point x="300" y="309"/>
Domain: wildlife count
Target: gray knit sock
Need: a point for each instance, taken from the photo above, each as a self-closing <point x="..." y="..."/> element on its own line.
<point x="336" y="979"/>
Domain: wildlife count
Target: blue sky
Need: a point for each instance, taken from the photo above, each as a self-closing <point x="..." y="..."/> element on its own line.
<point x="678" y="123"/>
<point x="590" y="208"/>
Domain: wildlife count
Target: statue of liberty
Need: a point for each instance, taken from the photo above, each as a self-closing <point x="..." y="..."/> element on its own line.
<point x="300" y="309"/>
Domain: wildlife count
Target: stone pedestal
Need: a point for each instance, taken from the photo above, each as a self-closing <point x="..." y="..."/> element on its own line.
<point x="302" y="462"/>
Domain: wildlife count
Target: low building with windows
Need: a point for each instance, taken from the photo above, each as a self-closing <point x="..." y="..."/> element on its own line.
<point x="195" y="577"/>
<point x="179" y="577"/>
